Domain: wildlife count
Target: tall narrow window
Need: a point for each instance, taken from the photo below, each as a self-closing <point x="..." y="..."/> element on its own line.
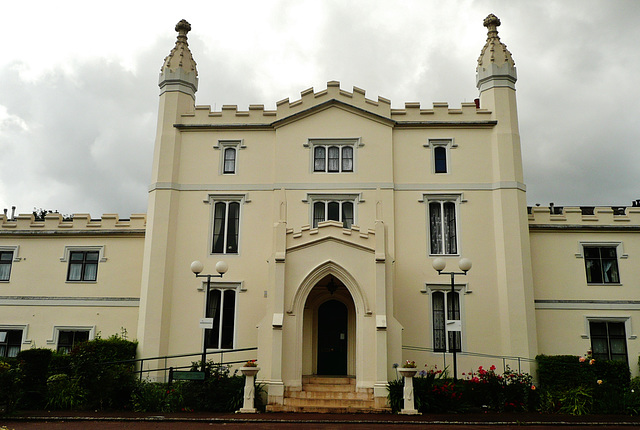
<point x="347" y="159"/>
<point x="222" y="308"/>
<point x="441" y="341"/>
<point x="440" y="159"/>
<point x="442" y="227"/>
<point x="319" y="160"/>
<point x="608" y="340"/>
<point x="67" y="339"/>
<point x="10" y="341"/>
<point x="83" y="266"/>
<point x="6" y="257"/>
<point x="229" y="161"/>
<point x="334" y="159"/>
<point x="601" y="263"/>
<point x="226" y="226"/>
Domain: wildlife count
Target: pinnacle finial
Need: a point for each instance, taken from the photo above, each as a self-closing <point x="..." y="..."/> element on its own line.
<point x="183" y="27"/>
<point x="495" y="59"/>
<point x="491" y="21"/>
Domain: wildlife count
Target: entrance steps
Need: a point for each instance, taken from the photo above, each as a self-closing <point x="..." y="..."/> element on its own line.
<point x="328" y="394"/>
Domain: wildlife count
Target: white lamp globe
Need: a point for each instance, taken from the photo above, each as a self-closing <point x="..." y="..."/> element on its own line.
<point x="439" y="264"/>
<point x="464" y="264"/>
<point x="222" y="267"/>
<point x="197" y="267"/>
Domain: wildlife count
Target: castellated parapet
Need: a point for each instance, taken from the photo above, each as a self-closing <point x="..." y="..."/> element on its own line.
<point x="326" y="230"/>
<point x="79" y="223"/>
<point x="309" y="99"/>
<point x="584" y="217"/>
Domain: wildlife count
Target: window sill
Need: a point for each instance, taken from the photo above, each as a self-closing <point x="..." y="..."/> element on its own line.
<point x="81" y="282"/>
<point x="608" y="284"/>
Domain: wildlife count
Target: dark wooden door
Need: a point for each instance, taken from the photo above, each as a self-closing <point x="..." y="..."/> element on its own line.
<point x="332" y="338"/>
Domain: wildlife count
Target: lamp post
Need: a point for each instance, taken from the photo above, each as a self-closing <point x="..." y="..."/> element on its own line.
<point x="196" y="268"/>
<point x="465" y="265"/>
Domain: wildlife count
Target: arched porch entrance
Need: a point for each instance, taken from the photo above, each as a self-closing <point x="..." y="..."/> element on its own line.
<point x="329" y="335"/>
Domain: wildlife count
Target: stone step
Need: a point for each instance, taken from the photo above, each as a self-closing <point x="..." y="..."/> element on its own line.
<point x="328" y="380"/>
<point x="327" y="410"/>
<point x="329" y="403"/>
<point x="349" y="395"/>
<point x="329" y="387"/>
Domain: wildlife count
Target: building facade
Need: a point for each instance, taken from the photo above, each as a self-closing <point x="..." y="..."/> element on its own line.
<point x="329" y="211"/>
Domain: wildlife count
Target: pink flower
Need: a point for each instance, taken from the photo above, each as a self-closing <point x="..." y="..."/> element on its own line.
<point x="582" y="359"/>
<point x="592" y="361"/>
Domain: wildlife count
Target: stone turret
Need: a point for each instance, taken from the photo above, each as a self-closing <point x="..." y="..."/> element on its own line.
<point x="179" y="72"/>
<point x="496" y="67"/>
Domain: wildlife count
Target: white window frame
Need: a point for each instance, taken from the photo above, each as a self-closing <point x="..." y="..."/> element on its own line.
<point x="58" y="328"/>
<point x="241" y="199"/>
<point x="23" y="327"/>
<point x="222" y="146"/>
<point x="456" y="199"/>
<point x="461" y="289"/>
<point x="13" y="249"/>
<point x="626" y="320"/>
<point x="66" y="258"/>
<point x="620" y="254"/>
<point x="313" y="198"/>
<point x="238" y="287"/>
<point x="313" y="143"/>
<point x="448" y="144"/>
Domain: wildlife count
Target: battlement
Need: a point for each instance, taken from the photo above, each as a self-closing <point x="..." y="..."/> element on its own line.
<point x="78" y="222"/>
<point x="440" y="112"/>
<point x="583" y="216"/>
<point x="257" y="115"/>
<point x="330" y="230"/>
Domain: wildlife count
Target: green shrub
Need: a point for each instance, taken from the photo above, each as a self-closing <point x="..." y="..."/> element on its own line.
<point x="9" y="379"/>
<point x="580" y="385"/>
<point x="219" y="392"/>
<point x="157" y="397"/>
<point x="107" y="385"/>
<point x="64" y="392"/>
<point x="33" y="365"/>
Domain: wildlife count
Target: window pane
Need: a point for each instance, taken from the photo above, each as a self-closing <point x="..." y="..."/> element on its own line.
<point x="435" y="228"/>
<point x="6" y="256"/>
<point x="334" y="159"/>
<point x="212" y="336"/>
<point x="318" y="159"/>
<point x="333" y="211"/>
<point x="229" y="160"/>
<point x="450" y="228"/>
<point x="10" y="345"/>
<point x="347" y="214"/>
<point x="77" y="256"/>
<point x="437" y="300"/>
<point x="228" y="319"/>
<point x="219" y="227"/>
<point x="347" y="159"/>
<point x="318" y="213"/>
<point x="233" y="226"/>
<point x="440" y="159"/>
<point x="5" y="272"/>
<point x="601" y="265"/>
<point x="92" y="256"/>
<point x="75" y="272"/>
<point x="90" y="272"/>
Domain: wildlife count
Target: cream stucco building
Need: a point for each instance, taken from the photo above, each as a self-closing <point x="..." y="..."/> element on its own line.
<point x="329" y="211"/>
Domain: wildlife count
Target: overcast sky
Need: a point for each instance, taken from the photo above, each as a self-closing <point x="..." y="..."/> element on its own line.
<point x="79" y="94"/>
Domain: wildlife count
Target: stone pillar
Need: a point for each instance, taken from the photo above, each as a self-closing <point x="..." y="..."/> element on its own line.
<point x="249" y="390"/>
<point x="409" y="405"/>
